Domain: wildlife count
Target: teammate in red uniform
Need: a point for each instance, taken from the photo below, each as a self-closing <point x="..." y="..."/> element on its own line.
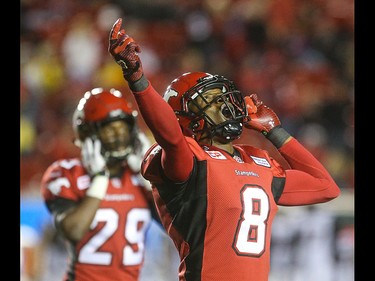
<point x="100" y="203"/>
<point x="217" y="200"/>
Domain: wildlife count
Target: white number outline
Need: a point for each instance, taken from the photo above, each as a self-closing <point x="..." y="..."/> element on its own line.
<point x="137" y="221"/>
<point x="250" y="237"/>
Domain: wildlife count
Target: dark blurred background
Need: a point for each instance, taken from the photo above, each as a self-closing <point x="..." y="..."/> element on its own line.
<point x="297" y="55"/>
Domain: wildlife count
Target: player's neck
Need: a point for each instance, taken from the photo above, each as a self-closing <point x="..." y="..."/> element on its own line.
<point x="116" y="170"/>
<point x="228" y="147"/>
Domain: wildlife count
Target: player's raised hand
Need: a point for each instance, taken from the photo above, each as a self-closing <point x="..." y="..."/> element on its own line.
<point x="125" y="51"/>
<point x="261" y="118"/>
<point x="92" y="159"/>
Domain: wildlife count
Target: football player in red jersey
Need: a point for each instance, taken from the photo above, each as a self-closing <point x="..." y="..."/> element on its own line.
<point x="100" y="203"/>
<point x="216" y="199"/>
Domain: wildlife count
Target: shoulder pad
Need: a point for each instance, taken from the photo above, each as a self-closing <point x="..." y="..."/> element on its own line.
<point x="150" y="168"/>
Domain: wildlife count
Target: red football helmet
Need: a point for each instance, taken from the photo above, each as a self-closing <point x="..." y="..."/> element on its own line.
<point x="98" y="107"/>
<point x="186" y="88"/>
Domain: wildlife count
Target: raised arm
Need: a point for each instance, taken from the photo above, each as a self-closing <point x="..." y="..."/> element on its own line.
<point x="307" y="182"/>
<point x="177" y="158"/>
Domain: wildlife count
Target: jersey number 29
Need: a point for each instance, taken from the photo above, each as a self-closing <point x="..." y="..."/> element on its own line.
<point x="133" y="234"/>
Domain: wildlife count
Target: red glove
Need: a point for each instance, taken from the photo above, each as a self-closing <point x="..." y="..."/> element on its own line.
<point x="125" y="52"/>
<point x="261" y="118"/>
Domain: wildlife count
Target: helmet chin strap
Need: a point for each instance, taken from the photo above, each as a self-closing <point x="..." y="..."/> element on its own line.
<point x="227" y="131"/>
<point x="113" y="152"/>
<point x="119" y="155"/>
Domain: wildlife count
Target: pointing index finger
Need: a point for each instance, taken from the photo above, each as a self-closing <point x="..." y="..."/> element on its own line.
<point x="115" y="29"/>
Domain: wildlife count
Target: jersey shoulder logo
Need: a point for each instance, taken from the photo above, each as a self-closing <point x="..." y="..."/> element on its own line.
<point x="216" y="154"/>
<point x="261" y="161"/>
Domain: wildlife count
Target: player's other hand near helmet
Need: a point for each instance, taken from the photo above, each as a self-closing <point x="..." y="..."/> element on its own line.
<point x="263" y="119"/>
<point x="92" y="158"/>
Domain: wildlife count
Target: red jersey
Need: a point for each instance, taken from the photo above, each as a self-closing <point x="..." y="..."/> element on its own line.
<point x="113" y="249"/>
<point x="218" y="208"/>
<point x="220" y="218"/>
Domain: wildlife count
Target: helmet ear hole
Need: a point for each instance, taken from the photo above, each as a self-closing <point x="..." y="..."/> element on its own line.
<point x="198" y="130"/>
<point x="195" y="125"/>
